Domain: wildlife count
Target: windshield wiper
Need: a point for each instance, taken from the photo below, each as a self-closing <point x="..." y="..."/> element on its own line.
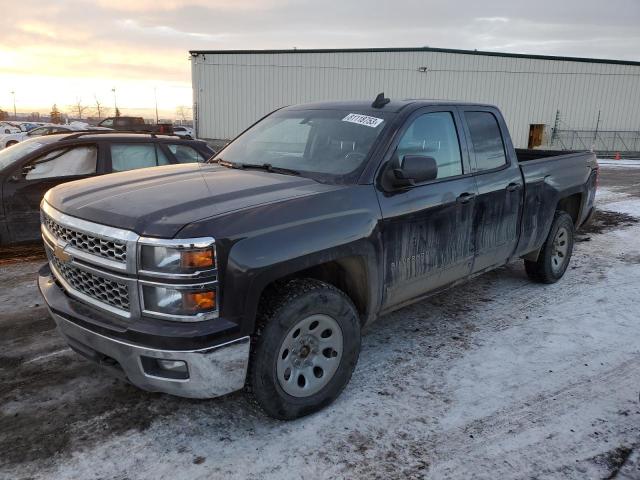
<point x="221" y="161"/>
<point x="266" y="167"/>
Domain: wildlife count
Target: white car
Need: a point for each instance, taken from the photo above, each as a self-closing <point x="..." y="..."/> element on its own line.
<point x="12" y="139"/>
<point x="7" y="128"/>
<point x="183" y="132"/>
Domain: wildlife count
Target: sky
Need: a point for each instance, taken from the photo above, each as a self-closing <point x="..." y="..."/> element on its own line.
<point x="65" y="51"/>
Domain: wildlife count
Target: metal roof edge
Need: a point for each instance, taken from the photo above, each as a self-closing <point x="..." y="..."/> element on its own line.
<point x="421" y="49"/>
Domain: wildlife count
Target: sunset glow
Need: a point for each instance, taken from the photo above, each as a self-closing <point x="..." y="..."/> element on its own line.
<point x="65" y="50"/>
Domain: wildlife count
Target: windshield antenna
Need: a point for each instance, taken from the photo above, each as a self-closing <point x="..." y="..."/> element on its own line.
<point x="380" y="101"/>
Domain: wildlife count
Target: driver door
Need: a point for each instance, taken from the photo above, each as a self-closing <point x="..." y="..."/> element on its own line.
<point x="25" y="187"/>
<point x="427" y="228"/>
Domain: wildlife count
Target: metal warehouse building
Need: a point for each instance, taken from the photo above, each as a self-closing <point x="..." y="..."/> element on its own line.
<point x="557" y="102"/>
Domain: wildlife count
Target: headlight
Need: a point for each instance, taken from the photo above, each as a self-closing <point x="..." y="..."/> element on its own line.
<point x="173" y="263"/>
<point x="180" y="302"/>
<point x="177" y="258"/>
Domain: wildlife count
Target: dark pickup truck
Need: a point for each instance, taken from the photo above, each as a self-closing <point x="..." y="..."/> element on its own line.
<point x="260" y="268"/>
<point x="135" y="124"/>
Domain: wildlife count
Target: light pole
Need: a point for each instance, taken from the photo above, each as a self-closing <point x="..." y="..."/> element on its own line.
<point x="15" y="116"/>
<point x="115" y="104"/>
<point x="155" y="96"/>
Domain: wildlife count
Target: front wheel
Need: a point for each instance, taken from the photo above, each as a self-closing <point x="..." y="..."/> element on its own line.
<point x="305" y="349"/>
<point x="555" y="254"/>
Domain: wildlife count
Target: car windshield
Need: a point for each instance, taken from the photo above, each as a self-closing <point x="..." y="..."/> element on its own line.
<point x="15" y="152"/>
<point x="328" y="145"/>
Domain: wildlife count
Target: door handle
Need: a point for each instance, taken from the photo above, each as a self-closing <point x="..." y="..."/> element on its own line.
<point x="512" y="187"/>
<point x="465" y="197"/>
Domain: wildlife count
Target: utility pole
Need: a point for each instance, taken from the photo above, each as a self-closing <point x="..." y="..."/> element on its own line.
<point x="115" y="104"/>
<point x="15" y="116"/>
<point x="155" y="96"/>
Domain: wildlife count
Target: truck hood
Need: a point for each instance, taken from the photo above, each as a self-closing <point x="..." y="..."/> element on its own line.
<point x="159" y="201"/>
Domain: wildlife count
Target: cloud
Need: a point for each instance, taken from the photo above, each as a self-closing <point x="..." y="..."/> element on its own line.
<point x="172" y="5"/>
<point x="492" y="19"/>
<point x="166" y="31"/>
<point x="145" y="42"/>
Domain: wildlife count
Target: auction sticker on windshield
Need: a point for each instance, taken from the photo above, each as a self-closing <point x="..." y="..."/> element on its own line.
<point x="365" y="120"/>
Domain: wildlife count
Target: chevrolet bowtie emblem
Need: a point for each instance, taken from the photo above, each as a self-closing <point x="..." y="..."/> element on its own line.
<point x="60" y="254"/>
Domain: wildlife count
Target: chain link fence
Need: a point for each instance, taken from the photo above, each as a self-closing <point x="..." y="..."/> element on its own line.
<point x="627" y="142"/>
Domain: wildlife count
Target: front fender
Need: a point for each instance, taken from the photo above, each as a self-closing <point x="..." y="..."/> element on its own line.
<point x="257" y="261"/>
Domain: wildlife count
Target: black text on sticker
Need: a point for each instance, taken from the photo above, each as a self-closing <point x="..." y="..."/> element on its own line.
<point x="365" y="120"/>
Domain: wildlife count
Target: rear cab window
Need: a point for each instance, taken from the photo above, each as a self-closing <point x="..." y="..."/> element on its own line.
<point x="486" y="140"/>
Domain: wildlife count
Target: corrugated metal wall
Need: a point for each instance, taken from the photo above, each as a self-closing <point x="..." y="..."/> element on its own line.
<point x="232" y="90"/>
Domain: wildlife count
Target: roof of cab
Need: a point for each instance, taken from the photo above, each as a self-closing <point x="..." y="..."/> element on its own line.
<point x="393" y="106"/>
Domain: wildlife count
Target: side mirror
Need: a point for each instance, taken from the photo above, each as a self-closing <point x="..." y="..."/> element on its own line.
<point x="415" y="169"/>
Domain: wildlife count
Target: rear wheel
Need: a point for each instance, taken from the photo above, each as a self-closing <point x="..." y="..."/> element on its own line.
<point x="555" y="254"/>
<point x="11" y="142"/>
<point x="305" y="349"/>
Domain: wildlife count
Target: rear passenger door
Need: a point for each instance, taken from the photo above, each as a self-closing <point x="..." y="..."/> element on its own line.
<point x="427" y="228"/>
<point x="499" y="183"/>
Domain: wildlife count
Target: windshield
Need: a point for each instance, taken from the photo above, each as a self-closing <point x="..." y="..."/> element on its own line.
<point x="330" y="144"/>
<point x="15" y="152"/>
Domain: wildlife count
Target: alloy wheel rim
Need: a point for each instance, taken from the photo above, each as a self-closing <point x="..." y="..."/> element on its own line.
<point x="560" y="249"/>
<point x="309" y="355"/>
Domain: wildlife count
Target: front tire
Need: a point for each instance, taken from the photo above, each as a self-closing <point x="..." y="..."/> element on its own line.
<point x="555" y="254"/>
<point x="305" y="349"/>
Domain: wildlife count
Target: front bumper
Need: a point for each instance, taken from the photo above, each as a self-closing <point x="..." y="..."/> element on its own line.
<point x="208" y="372"/>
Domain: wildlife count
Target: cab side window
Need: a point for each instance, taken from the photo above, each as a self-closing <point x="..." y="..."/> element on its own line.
<point x="63" y="162"/>
<point x="486" y="139"/>
<point x="185" y="153"/>
<point x="434" y="135"/>
<point x="131" y="156"/>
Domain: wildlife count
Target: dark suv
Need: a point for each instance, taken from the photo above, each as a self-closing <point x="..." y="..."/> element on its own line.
<point x="30" y="168"/>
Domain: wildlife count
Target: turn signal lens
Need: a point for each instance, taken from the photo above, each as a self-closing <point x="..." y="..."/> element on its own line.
<point x="199" y="301"/>
<point x="197" y="259"/>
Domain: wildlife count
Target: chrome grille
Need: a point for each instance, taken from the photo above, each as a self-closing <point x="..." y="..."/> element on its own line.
<point x="110" y="249"/>
<point x="104" y="290"/>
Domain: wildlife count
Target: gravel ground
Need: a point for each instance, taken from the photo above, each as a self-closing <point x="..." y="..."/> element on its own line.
<point x="498" y="378"/>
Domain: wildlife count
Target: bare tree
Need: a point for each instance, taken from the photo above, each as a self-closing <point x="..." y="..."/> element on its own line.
<point x="183" y="112"/>
<point x="99" y="108"/>
<point x="78" y="108"/>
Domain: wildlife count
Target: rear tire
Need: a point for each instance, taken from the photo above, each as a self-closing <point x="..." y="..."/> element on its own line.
<point x="305" y="349"/>
<point x="12" y="142"/>
<point x="555" y="254"/>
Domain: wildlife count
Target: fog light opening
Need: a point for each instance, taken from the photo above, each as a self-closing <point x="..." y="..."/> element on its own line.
<point x="165" y="368"/>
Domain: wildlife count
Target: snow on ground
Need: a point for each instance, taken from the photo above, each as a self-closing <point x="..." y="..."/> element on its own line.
<point x="498" y="378"/>
<point x="626" y="163"/>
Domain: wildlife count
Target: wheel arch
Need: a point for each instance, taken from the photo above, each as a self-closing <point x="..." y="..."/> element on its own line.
<point x="571" y="204"/>
<point x="355" y="274"/>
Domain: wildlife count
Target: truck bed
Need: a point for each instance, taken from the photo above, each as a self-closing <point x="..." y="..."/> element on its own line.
<point x="548" y="176"/>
